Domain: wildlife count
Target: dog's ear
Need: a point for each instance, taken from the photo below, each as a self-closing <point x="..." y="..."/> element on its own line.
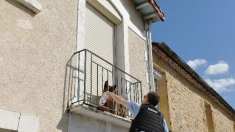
<point x="111" y="89"/>
<point x="106" y="85"/>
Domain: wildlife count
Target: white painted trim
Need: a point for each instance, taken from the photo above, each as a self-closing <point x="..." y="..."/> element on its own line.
<point x="145" y="56"/>
<point x="28" y="124"/>
<point x="125" y="21"/>
<point x="32" y="5"/>
<point x="126" y="52"/>
<point x="80" y="45"/>
<point x="126" y="47"/>
<point x="9" y="119"/>
<point x="147" y="77"/>
<point x="112" y="15"/>
<point x="81" y="24"/>
<point x="17" y="122"/>
<point x="157" y="74"/>
<point x="115" y="46"/>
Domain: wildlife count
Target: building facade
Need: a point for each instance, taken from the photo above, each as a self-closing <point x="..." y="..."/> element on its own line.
<point x="56" y="55"/>
<point x="188" y="103"/>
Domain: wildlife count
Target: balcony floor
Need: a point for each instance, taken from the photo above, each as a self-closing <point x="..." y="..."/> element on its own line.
<point x="92" y="112"/>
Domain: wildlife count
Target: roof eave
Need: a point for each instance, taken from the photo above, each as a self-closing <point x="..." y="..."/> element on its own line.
<point x="158" y="10"/>
<point x="149" y="10"/>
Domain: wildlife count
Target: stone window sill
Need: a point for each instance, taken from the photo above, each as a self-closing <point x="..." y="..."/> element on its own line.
<point x="32" y="5"/>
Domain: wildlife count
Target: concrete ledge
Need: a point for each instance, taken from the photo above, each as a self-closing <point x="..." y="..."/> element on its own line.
<point x="9" y="120"/>
<point x="28" y="124"/>
<point x="14" y="121"/>
<point x="32" y="5"/>
<point x="92" y="112"/>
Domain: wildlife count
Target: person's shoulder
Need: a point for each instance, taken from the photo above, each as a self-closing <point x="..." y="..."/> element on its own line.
<point x="133" y="107"/>
<point x="133" y="104"/>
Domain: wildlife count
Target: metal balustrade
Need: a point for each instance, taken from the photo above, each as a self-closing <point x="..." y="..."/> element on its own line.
<point x="87" y="73"/>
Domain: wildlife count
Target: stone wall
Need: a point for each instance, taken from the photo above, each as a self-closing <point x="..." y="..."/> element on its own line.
<point x="187" y="104"/>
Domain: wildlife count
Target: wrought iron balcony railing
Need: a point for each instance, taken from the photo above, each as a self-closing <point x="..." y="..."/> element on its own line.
<point x="86" y="76"/>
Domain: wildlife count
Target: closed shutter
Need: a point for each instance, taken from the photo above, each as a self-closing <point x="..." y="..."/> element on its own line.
<point x="99" y="33"/>
<point x="99" y="39"/>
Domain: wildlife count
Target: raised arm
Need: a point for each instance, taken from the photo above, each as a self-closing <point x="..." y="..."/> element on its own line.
<point x="118" y="99"/>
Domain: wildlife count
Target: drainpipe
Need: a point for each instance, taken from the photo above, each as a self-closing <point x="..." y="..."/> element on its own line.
<point x="148" y="25"/>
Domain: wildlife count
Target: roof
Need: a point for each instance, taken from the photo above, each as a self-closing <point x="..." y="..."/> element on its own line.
<point x="149" y="9"/>
<point x="173" y="56"/>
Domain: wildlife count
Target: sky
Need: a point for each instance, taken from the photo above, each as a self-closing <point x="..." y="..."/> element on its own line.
<point x="202" y="34"/>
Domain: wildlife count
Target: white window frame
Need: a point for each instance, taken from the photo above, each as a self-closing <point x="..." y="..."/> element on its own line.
<point x="157" y="76"/>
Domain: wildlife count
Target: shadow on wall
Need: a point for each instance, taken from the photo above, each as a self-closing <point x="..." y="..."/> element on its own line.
<point x="21" y="7"/>
<point x="69" y="82"/>
<point x="69" y="92"/>
<point x="63" y="124"/>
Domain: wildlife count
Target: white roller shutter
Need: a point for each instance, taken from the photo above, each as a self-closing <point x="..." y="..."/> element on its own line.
<point x="99" y="33"/>
<point x="99" y="38"/>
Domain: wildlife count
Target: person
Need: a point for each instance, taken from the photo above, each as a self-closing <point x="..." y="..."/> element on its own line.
<point x="146" y="117"/>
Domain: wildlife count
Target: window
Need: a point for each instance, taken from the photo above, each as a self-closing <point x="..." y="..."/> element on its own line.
<point x="233" y="126"/>
<point x="161" y="87"/>
<point x="156" y="89"/>
<point x="156" y="85"/>
<point x="209" y="118"/>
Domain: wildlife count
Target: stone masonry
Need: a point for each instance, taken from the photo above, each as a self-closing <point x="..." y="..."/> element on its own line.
<point x="186" y="102"/>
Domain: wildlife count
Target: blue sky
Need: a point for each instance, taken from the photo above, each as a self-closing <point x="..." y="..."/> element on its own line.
<point x="202" y="33"/>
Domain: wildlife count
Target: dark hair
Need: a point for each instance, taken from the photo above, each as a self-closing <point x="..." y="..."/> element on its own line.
<point x="153" y="98"/>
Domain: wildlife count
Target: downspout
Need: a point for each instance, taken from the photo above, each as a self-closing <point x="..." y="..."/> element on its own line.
<point x="148" y="25"/>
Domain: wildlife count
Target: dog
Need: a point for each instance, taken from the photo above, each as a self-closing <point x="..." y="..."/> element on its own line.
<point x="111" y="104"/>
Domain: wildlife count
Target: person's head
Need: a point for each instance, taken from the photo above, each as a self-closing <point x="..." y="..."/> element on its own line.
<point x="151" y="98"/>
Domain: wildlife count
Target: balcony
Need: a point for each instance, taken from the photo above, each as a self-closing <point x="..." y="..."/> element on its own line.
<point x="88" y="76"/>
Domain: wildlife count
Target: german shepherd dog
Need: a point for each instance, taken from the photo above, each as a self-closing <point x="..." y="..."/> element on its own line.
<point x="111" y="104"/>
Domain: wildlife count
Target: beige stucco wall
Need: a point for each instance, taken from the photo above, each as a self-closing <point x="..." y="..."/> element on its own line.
<point x="138" y="66"/>
<point x="186" y="104"/>
<point x="34" y="49"/>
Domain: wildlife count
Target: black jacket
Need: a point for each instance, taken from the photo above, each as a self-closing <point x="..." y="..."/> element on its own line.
<point x="149" y="119"/>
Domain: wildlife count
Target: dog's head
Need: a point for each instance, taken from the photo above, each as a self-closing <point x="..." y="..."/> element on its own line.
<point x="108" y="87"/>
